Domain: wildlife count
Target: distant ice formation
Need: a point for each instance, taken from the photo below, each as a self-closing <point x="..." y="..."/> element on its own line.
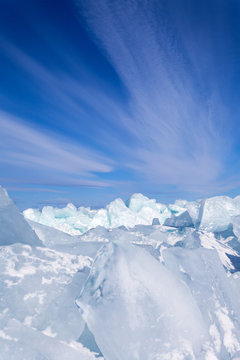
<point x="144" y="281"/>
<point x="75" y="221"/>
<point x="214" y="214"/>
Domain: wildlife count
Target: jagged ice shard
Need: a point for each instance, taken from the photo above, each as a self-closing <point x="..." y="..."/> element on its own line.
<point x="136" y="280"/>
<point x="12" y="224"/>
<point x="146" y="312"/>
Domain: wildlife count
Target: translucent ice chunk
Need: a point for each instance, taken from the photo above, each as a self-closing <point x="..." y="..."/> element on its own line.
<point x="193" y="208"/>
<point x="179" y="220"/>
<point x="13" y="226"/>
<point x="119" y="214"/>
<point x="137" y="210"/>
<point x="146" y="313"/>
<point x="155" y="221"/>
<point x="215" y="294"/>
<point x="235" y="220"/>
<point x="216" y="213"/>
<point x="50" y="236"/>
<point x="213" y="214"/>
<point x="138" y="201"/>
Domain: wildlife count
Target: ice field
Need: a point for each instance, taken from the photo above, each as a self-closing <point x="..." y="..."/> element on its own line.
<point x="134" y="281"/>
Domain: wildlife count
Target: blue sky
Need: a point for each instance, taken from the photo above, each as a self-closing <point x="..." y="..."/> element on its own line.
<point x="100" y="99"/>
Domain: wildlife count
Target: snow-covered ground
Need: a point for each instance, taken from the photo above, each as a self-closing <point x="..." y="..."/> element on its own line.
<point x="134" y="281"/>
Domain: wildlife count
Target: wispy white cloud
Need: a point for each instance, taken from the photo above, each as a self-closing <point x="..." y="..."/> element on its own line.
<point x="28" y="189"/>
<point x="79" y="96"/>
<point x="49" y="154"/>
<point x="173" y="127"/>
<point x="178" y="119"/>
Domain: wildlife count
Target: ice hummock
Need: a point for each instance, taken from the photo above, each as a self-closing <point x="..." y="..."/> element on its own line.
<point x="145" y="311"/>
<point x="180" y="220"/>
<point x="185" y="308"/>
<point x="215" y="294"/>
<point x="165" y="282"/>
<point x="75" y="221"/>
<point x="217" y="213"/>
<point x="38" y="287"/>
<point x="14" y="228"/>
<point x="214" y="214"/>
